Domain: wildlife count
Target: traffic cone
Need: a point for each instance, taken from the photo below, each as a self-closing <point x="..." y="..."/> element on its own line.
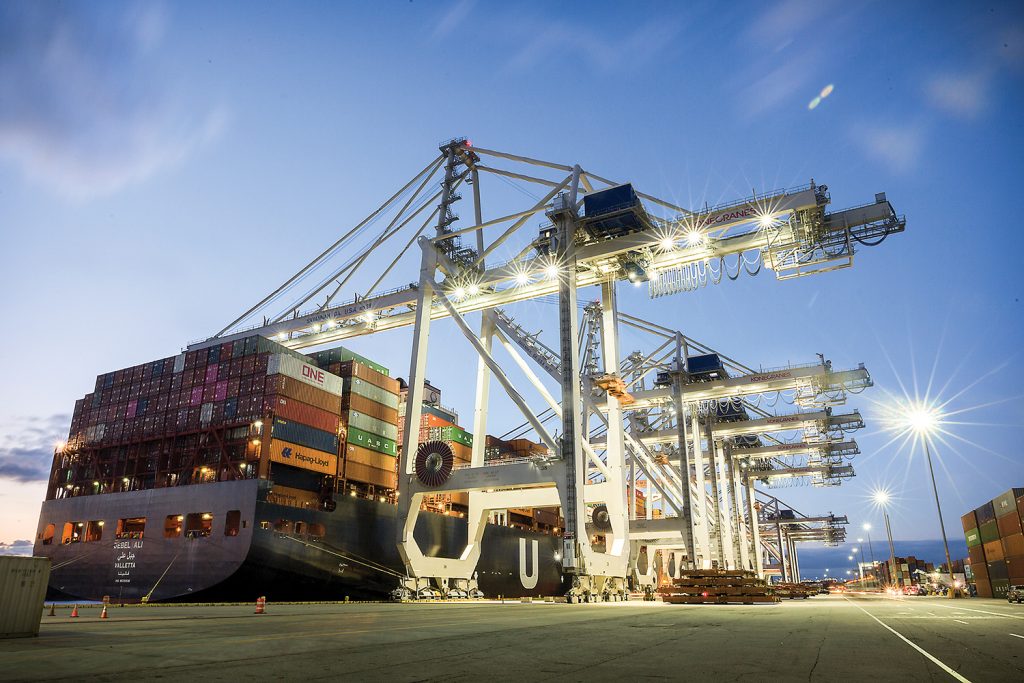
<point x="261" y="603"/>
<point x="103" y="614"/>
<point x="52" y="612"/>
<point x="74" y="612"/>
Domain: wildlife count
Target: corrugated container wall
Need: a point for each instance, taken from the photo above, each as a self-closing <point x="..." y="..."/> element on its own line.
<point x="22" y="591"/>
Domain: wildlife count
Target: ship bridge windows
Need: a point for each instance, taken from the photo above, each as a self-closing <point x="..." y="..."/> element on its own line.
<point x="73" y="532"/>
<point x="172" y="526"/>
<point x="232" y="522"/>
<point x="94" y="531"/>
<point x="130" y="527"/>
<point x="199" y="524"/>
<point x="47" y="536"/>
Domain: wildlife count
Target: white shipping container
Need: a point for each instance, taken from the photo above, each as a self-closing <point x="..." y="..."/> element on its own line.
<point x="22" y="591"/>
<point x="283" y="364"/>
<point x="179" y="362"/>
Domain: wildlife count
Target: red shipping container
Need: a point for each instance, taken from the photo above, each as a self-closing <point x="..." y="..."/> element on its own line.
<point x="303" y="413"/>
<point x="1015" y="566"/>
<point x="984" y="587"/>
<point x="976" y="554"/>
<point x="1013" y="545"/>
<point x="1009" y="524"/>
<point x="221" y="391"/>
<point x="993" y="551"/>
<point x="211" y="374"/>
<point x="980" y="570"/>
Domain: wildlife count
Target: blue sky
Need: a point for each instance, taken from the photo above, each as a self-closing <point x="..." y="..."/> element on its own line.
<point x="162" y="166"/>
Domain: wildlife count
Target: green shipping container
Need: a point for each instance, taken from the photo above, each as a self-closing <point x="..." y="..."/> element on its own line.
<point x="374" y="393"/>
<point x="457" y="435"/>
<point x="371" y="424"/>
<point x="341" y="354"/>
<point x="359" y="437"/>
<point x="1006" y="503"/>
<point x="973" y="538"/>
<point x="989" y="531"/>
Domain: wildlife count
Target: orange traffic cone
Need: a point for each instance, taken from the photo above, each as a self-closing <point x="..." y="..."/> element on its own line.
<point x="103" y="614"/>
<point x="74" y="612"/>
<point x="261" y="604"/>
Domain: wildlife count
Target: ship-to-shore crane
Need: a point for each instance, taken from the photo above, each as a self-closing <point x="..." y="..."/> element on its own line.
<point x="594" y="233"/>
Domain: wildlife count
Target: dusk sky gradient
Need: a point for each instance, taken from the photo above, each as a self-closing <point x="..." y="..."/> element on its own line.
<point x="163" y="166"/>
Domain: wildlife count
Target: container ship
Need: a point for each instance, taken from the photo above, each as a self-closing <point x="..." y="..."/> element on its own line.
<point x="249" y="469"/>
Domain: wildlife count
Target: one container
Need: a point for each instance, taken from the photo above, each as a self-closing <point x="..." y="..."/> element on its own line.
<point x="985" y="513"/>
<point x="1013" y="545"/>
<point x="304" y="435"/>
<point x="989" y="531"/>
<point x="283" y="364"/>
<point x="374" y="393"/>
<point x="969" y="521"/>
<point x="354" y="418"/>
<point x="993" y="551"/>
<point x="973" y="537"/>
<point x="365" y="439"/>
<point x="298" y="411"/>
<point x="22" y="591"/>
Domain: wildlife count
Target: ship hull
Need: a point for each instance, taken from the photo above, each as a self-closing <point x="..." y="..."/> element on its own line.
<point x="278" y="551"/>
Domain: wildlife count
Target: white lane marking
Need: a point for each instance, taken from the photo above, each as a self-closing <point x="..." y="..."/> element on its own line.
<point x="982" y="611"/>
<point x="1016" y="636"/>
<point x="962" y="622"/>
<point x="914" y="645"/>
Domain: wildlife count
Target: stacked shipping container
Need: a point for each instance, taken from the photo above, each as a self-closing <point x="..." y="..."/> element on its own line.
<point x="995" y="543"/>
<point x="242" y="409"/>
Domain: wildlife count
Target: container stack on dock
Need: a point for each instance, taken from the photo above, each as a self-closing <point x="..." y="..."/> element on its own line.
<point x="995" y="543"/>
<point x="717" y="587"/>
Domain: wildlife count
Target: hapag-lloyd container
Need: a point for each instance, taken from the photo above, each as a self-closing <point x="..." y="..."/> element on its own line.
<point x="282" y="364"/>
<point x="297" y="455"/>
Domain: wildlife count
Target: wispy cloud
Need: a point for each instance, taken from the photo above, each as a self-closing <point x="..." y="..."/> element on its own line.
<point x="84" y="106"/>
<point x="452" y="18"/>
<point x="961" y="94"/>
<point x="552" y="40"/>
<point x="26" y="452"/>
<point x="897" y="146"/>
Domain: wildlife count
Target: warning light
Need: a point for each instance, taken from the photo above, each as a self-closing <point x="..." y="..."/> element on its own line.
<point x="469" y="143"/>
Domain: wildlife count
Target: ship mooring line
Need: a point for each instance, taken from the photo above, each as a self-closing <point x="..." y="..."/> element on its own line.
<point x="912" y="644"/>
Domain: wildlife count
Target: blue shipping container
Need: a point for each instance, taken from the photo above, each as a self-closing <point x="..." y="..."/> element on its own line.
<point x="304" y="435"/>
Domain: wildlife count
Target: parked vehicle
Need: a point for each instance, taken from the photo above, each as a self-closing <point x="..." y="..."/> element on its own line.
<point x="1015" y="594"/>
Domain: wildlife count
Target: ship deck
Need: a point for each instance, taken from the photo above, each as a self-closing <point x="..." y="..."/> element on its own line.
<point x="825" y="638"/>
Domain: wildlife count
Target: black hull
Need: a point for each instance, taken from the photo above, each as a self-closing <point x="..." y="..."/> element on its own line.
<point x="352" y="552"/>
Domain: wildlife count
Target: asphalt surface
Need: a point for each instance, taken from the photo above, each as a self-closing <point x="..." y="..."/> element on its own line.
<point x="822" y="638"/>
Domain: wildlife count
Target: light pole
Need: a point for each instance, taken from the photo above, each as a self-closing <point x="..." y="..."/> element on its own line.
<point x="923" y="420"/>
<point x="882" y="499"/>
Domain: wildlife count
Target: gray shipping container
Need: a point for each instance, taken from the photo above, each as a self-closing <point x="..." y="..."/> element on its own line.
<point x="22" y="591"/>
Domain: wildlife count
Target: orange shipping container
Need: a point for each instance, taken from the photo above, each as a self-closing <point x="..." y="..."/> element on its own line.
<point x="300" y="412"/>
<point x="993" y="551"/>
<point x="355" y="471"/>
<point x="364" y="456"/>
<point x="351" y="368"/>
<point x="1009" y="524"/>
<point x="285" y="495"/>
<point x="293" y="388"/>
<point x="1013" y="545"/>
<point x="1015" y="567"/>
<point x="300" y="456"/>
<point x="369" y="407"/>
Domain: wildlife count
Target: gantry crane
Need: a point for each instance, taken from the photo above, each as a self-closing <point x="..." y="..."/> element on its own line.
<point x="593" y="232"/>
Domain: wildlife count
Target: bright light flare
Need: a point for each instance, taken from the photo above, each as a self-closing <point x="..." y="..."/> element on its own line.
<point x="667" y="243"/>
<point x="59" y="446"/>
<point x="551" y="270"/>
<point x="694" y="238"/>
<point x="881" y="496"/>
<point x="473" y="289"/>
<point x="459" y="292"/>
<point x="522" y="279"/>
<point x="766" y="221"/>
